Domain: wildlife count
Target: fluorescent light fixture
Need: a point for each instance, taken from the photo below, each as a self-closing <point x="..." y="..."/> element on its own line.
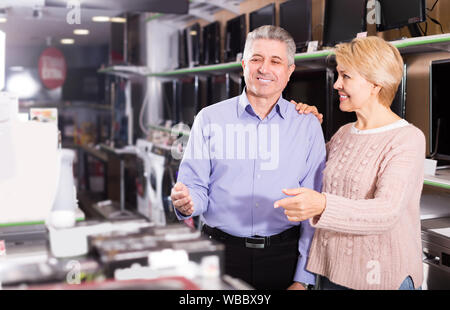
<point x="118" y="19"/>
<point x="81" y="32"/>
<point x="16" y="68"/>
<point x="3" y="19"/>
<point x="67" y="41"/>
<point x="100" y="19"/>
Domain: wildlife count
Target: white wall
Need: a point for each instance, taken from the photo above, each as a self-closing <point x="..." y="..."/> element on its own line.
<point x="161" y="55"/>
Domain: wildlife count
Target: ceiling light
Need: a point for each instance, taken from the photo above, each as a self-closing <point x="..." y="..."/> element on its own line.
<point x="67" y="41"/>
<point x="81" y="32"/>
<point x="16" y="68"/>
<point x="118" y="19"/>
<point x="3" y="19"/>
<point x="100" y="19"/>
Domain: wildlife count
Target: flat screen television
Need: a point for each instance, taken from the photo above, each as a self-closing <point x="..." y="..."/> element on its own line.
<point x="217" y="89"/>
<point x="188" y="100"/>
<point x="193" y="44"/>
<point x="169" y="93"/>
<point x="262" y="16"/>
<point x="133" y="39"/>
<point x="235" y="35"/>
<point x="399" y="13"/>
<point x="295" y="18"/>
<point x="309" y="87"/>
<point x="211" y="44"/>
<point x="183" y="60"/>
<point x="117" y="44"/>
<point x="439" y="110"/>
<point x="398" y="105"/>
<point x="343" y="20"/>
<point x="84" y="84"/>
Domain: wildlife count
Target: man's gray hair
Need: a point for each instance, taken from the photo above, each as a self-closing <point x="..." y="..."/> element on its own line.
<point x="271" y="33"/>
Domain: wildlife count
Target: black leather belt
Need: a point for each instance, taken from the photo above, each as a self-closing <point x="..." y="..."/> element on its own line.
<point x="254" y="242"/>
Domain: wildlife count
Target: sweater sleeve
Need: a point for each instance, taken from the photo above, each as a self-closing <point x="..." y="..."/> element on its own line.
<point x="399" y="176"/>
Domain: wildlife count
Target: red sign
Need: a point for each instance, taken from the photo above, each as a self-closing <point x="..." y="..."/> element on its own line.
<point x="52" y="68"/>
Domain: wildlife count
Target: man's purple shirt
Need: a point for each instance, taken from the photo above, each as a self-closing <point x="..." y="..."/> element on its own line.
<point x="235" y="166"/>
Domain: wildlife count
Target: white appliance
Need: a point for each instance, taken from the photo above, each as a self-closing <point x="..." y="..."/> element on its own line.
<point x="149" y="183"/>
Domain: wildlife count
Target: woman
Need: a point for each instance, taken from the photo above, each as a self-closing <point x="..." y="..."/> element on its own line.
<point x="367" y="217"/>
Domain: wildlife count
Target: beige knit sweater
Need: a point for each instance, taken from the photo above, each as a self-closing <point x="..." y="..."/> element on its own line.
<point x="368" y="237"/>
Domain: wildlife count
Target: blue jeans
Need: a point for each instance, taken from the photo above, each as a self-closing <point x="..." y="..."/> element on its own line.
<point x="326" y="284"/>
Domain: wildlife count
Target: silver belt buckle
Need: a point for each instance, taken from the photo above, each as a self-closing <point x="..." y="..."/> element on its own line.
<point x="255" y="245"/>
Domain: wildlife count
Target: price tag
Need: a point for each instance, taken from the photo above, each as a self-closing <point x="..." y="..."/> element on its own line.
<point x="362" y="34"/>
<point x="312" y="46"/>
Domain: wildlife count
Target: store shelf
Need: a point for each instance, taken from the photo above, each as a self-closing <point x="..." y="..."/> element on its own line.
<point x="440" y="179"/>
<point x="169" y="130"/>
<point x="313" y="59"/>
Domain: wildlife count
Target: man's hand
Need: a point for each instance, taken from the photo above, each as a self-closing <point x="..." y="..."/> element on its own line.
<point x="296" y="286"/>
<point x="303" y="108"/>
<point x="305" y="203"/>
<point x="181" y="199"/>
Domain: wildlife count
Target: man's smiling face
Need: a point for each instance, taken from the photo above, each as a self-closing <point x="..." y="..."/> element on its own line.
<point x="266" y="71"/>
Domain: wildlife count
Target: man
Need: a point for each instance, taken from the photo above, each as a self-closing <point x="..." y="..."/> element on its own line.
<point x="241" y="153"/>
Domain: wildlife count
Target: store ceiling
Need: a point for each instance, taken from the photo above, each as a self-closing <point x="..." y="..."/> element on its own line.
<point x="32" y="22"/>
<point x="25" y="29"/>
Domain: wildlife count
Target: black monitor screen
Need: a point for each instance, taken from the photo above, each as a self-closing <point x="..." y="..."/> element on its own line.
<point x="263" y="16"/>
<point x="211" y="44"/>
<point x="217" y="89"/>
<point x="295" y="17"/>
<point x="344" y="19"/>
<point x="117" y="44"/>
<point x="235" y="37"/>
<point x="308" y="87"/>
<point x="168" y="95"/>
<point x="193" y="44"/>
<point x="439" y="109"/>
<point x="188" y="100"/>
<point x="398" y="105"/>
<point x="182" y="49"/>
<point x="399" y="13"/>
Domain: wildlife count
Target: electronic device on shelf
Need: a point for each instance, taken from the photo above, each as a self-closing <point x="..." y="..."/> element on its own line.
<point x="343" y="20"/>
<point x="211" y="44"/>
<point x="295" y="17"/>
<point x="439" y="110"/>
<point x="400" y="13"/>
<point x="262" y="16"/>
<point x="235" y="35"/>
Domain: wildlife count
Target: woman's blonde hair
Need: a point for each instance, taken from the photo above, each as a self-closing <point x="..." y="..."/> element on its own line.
<point x="378" y="61"/>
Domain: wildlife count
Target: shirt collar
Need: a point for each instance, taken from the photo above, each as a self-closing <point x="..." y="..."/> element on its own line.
<point x="245" y="106"/>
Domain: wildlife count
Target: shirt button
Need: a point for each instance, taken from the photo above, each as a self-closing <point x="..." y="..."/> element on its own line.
<point x="258" y="176"/>
<point x="335" y="184"/>
<point x="257" y="205"/>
